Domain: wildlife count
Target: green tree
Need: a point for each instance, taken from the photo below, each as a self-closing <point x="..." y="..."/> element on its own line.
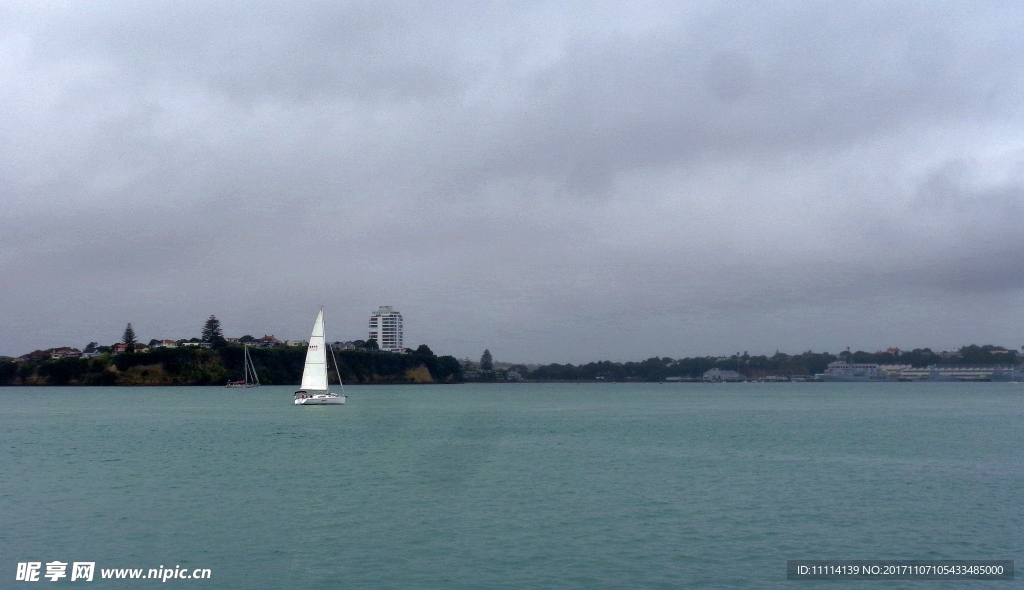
<point x="26" y="370"/>
<point x="91" y="347"/>
<point x="212" y="332"/>
<point x="246" y="339"/>
<point x="371" y="344"/>
<point x="8" y="370"/>
<point x="486" y="361"/>
<point x="129" y="337"/>
<point x="424" y="350"/>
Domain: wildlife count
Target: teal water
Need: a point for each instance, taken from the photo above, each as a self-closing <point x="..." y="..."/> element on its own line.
<point x="511" y="486"/>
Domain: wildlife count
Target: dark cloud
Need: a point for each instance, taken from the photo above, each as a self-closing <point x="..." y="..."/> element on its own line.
<point x="551" y="181"/>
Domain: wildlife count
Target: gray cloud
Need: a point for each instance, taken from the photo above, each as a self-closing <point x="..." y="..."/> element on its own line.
<point x="555" y="182"/>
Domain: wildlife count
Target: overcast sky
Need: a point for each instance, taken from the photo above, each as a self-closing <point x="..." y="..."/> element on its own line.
<point x="554" y="181"/>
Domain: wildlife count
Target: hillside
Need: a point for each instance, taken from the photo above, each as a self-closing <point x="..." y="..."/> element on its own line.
<point x="195" y="366"/>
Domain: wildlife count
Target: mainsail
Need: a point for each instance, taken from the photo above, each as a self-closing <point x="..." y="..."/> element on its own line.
<point x="314" y="374"/>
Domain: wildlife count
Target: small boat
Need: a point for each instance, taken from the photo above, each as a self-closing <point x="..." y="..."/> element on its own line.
<point x="314" y="390"/>
<point x="250" y="380"/>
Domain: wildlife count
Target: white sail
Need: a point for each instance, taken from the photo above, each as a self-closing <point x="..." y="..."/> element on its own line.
<point x="314" y="374"/>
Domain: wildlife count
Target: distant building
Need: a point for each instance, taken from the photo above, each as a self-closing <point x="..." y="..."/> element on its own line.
<point x="119" y="348"/>
<point x="268" y="341"/>
<point x="720" y="375"/>
<point x="343" y="345"/>
<point x="386" y="329"/>
<point x="165" y="344"/>
<point x="296" y="343"/>
<point x="191" y="344"/>
<point x="65" y="352"/>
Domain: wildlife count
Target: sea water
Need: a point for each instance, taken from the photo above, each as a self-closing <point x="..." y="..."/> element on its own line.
<point x="510" y="485"/>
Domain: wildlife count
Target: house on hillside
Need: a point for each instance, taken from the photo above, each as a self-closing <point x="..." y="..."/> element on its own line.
<point x="268" y="341"/>
<point x="65" y="353"/>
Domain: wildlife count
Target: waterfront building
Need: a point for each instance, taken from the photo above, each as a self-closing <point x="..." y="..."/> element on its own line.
<point x="721" y="375"/>
<point x="938" y="373"/>
<point x="843" y="371"/>
<point x="386" y="329"/>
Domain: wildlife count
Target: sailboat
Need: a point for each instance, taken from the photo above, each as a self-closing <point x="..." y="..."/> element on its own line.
<point x="250" y="379"/>
<point x="314" y="389"/>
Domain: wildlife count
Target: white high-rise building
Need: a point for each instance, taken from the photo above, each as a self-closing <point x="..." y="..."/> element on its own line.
<point x="386" y="329"/>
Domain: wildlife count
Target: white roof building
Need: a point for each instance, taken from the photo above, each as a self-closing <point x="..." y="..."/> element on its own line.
<point x="720" y="375"/>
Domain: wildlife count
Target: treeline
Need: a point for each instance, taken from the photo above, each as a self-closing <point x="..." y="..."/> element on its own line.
<point x="283" y="365"/>
<point x="660" y="368"/>
<point x="779" y="364"/>
<point x="217" y="366"/>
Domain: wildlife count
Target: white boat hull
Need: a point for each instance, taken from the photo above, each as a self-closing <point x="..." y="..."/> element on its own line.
<point x="320" y="399"/>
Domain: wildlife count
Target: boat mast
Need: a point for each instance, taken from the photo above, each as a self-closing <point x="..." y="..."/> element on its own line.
<point x="249" y="369"/>
<point x="245" y="361"/>
<point x="331" y="348"/>
<point x="336" y="369"/>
